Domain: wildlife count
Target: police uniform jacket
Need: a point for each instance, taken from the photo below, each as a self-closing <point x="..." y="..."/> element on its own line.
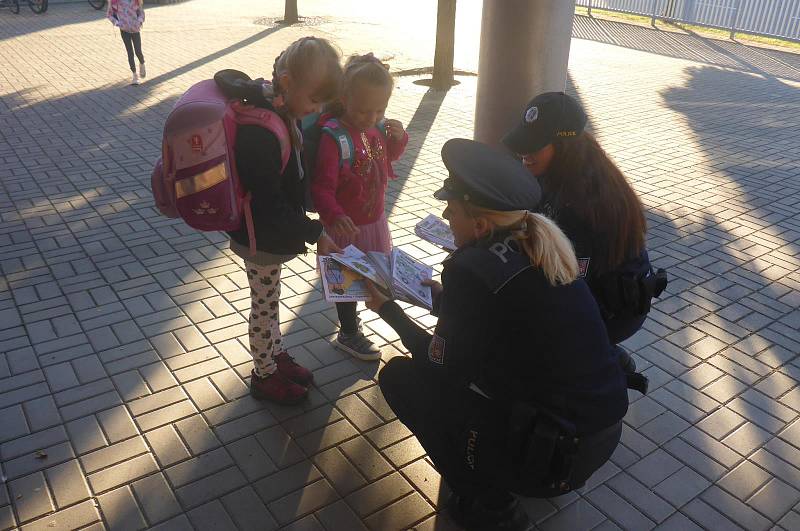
<point x="591" y="250"/>
<point x="504" y="330"/>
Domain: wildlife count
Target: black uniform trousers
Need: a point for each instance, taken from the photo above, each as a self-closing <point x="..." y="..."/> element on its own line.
<point x="622" y="327"/>
<point x="453" y="424"/>
<point x="464" y="434"/>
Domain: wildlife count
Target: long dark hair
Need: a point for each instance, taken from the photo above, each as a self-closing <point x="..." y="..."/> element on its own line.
<point x="583" y="178"/>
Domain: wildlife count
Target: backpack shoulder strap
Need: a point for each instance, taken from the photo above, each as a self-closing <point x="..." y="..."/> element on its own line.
<point x="344" y="142"/>
<point x="269" y="120"/>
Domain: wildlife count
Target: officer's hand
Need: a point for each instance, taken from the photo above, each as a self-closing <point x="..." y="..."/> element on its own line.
<point x="377" y="297"/>
<point x="344" y="227"/>
<point x="436" y="288"/>
<point x="394" y="129"/>
<point x="326" y="246"/>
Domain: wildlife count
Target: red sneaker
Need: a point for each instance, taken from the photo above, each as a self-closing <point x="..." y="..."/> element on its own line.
<point x="277" y="388"/>
<point x="292" y="370"/>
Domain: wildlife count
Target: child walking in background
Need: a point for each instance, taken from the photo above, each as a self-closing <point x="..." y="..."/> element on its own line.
<point x="305" y="75"/>
<point x="352" y="172"/>
<point x="128" y="16"/>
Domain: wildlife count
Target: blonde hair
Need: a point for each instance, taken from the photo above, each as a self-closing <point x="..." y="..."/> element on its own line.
<point x="299" y="60"/>
<point x="547" y="247"/>
<point x="359" y="70"/>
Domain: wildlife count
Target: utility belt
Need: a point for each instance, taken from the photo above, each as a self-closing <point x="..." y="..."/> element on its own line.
<point x="629" y="293"/>
<point x="540" y="447"/>
<point x="548" y="458"/>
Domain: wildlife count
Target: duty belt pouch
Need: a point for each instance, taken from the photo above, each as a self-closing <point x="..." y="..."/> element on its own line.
<point x="631" y="293"/>
<point x="542" y="450"/>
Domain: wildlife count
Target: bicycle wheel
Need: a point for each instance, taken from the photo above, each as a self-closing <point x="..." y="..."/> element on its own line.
<point x="14" y="6"/>
<point x="97" y="4"/>
<point x="38" y="6"/>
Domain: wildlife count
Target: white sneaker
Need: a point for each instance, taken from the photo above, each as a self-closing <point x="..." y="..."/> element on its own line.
<point x="142" y="71"/>
<point x="134" y="79"/>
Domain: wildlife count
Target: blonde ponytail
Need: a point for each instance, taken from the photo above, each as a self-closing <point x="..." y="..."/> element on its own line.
<point x="548" y="248"/>
<point x="546" y="245"/>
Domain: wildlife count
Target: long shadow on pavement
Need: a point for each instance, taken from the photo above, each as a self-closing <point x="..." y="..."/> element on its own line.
<point x="688" y="46"/>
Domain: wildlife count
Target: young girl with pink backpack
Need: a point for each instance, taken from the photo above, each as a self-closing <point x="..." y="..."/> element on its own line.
<point x="305" y="76"/>
<point x="354" y="163"/>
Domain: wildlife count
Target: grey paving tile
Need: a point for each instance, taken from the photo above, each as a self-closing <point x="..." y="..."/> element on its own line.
<point x="31" y="497"/>
<point x="13" y="421"/>
<point x="67" y="484"/>
<point x="641" y="497"/>
<point x="209" y="488"/>
<point x="74" y="517"/>
<point x="156" y="498"/>
<point x="682" y="486"/>
<point x="774" y="499"/>
<point x="708" y="517"/>
<point x="735" y="509"/>
<point x="121" y="510"/>
<point x="247" y="510"/>
<point x="302" y="502"/>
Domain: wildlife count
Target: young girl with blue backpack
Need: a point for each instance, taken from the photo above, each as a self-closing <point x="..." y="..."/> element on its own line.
<point x="305" y="76"/>
<point x="353" y="166"/>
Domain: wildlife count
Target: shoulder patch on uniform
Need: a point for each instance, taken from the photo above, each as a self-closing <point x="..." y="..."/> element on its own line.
<point x="583" y="266"/>
<point x="436" y="350"/>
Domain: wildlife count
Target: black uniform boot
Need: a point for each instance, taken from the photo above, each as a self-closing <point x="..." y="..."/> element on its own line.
<point x="473" y="515"/>
<point x="635" y="380"/>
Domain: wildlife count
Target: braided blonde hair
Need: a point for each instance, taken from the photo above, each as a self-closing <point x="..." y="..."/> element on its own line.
<point x="300" y="59"/>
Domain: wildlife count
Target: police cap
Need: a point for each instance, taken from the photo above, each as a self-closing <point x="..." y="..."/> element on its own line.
<point x="546" y="118"/>
<point x="487" y="178"/>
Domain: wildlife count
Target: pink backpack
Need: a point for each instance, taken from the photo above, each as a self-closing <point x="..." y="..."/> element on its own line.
<point x="195" y="178"/>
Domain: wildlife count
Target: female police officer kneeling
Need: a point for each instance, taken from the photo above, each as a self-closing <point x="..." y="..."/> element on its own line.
<point x="517" y="390"/>
<point x="589" y="198"/>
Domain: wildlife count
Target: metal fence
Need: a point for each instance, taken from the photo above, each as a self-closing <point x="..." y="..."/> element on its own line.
<point x="772" y="18"/>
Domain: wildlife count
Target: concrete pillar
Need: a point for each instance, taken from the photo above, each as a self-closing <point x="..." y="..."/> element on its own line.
<point x="524" y="52"/>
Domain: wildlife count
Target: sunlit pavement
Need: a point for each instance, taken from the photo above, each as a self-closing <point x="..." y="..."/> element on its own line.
<point x="123" y="361"/>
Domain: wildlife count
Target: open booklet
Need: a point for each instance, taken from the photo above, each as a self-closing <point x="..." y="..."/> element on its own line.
<point x="436" y="231"/>
<point x="397" y="273"/>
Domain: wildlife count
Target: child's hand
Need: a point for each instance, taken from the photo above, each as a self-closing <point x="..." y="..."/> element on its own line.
<point x="344" y="227"/>
<point x="394" y="129"/>
<point x="326" y="246"/>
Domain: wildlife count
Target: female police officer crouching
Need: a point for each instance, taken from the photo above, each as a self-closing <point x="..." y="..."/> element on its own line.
<point x="589" y="198"/>
<point x="517" y="390"/>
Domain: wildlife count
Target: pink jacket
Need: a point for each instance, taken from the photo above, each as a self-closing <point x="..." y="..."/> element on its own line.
<point x="356" y="190"/>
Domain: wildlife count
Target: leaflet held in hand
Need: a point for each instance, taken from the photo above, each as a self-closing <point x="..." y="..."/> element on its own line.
<point x="434" y="230"/>
<point x="343" y="276"/>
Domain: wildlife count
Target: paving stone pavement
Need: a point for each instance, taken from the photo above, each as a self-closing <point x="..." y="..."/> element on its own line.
<point x="123" y="361"/>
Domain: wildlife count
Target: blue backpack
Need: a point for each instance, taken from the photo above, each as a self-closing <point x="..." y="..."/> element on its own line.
<point x="313" y="126"/>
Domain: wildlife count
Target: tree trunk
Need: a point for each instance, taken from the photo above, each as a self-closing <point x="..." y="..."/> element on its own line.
<point x="290" y="12"/>
<point x="445" y="43"/>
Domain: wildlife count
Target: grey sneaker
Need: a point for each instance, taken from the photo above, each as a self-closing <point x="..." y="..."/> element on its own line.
<point x="134" y="79"/>
<point x="357" y="345"/>
<point x="142" y="71"/>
